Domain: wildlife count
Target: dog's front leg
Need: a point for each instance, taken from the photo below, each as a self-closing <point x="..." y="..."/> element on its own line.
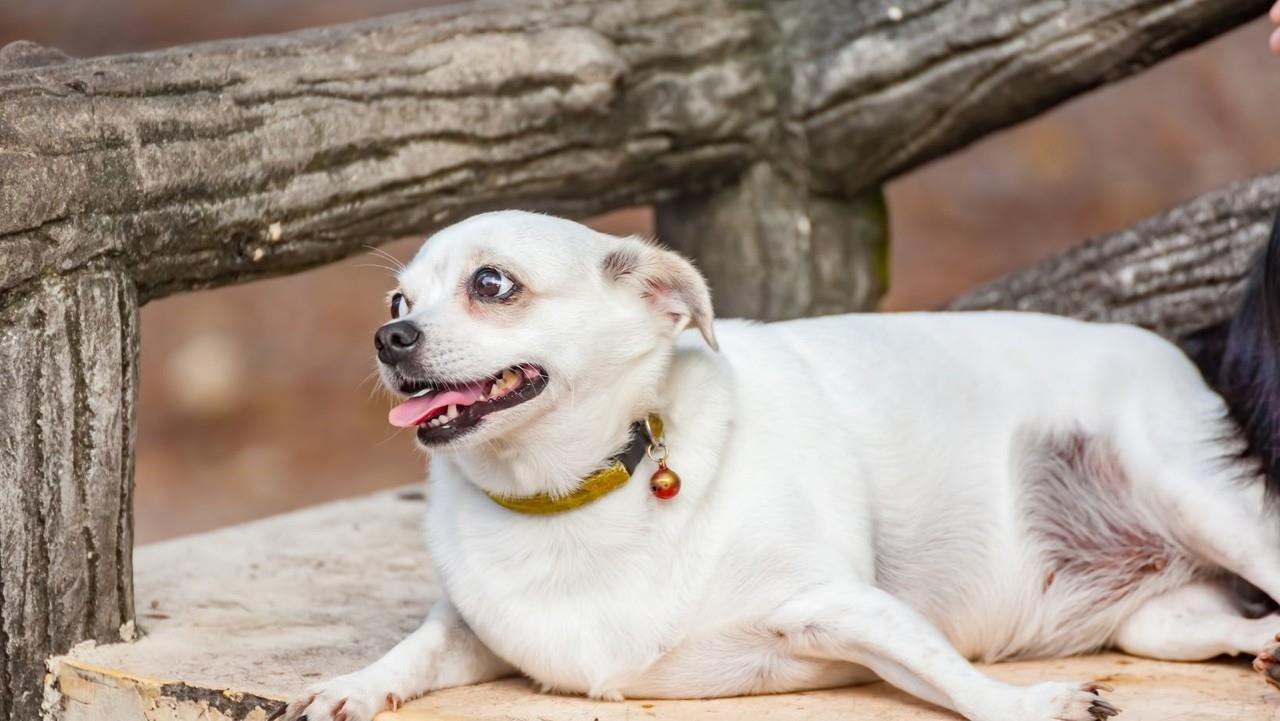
<point x="443" y="652"/>
<point x="866" y="626"/>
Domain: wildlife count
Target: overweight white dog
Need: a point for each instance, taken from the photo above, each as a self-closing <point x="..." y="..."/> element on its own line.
<point x="840" y="499"/>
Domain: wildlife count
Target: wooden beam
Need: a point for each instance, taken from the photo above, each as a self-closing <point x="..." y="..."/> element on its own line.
<point x="221" y="162"/>
<point x="882" y="87"/>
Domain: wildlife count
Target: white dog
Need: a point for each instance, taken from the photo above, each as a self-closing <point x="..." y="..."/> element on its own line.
<point x="862" y="496"/>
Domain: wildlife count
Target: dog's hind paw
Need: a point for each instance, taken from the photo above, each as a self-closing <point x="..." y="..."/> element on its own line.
<point x="1267" y="663"/>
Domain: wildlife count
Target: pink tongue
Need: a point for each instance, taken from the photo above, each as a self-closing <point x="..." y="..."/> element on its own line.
<point x="416" y="410"/>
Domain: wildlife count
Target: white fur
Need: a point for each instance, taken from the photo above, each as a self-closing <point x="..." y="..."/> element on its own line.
<point x="859" y="495"/>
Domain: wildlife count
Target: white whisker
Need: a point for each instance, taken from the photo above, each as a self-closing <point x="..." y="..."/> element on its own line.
<point x="379" y="252"/>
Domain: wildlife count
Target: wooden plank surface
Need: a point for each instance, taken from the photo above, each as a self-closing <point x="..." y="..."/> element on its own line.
<point x="235" y="621"/>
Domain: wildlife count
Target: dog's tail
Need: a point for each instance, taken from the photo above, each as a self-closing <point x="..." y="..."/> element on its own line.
<point x="1248" y="376"/>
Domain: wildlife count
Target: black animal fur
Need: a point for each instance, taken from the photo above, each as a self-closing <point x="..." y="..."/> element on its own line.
<point x="1248" y="376"/>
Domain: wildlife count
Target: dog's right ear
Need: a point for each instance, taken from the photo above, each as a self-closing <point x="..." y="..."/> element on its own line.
<point x="669" y="282"/>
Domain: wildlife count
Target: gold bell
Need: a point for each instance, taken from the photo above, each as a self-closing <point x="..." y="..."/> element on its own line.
<point x="664" y="483"/>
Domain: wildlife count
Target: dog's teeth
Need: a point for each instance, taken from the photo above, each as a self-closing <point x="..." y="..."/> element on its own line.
<point x="505" y="383"/>
<point x="452" y="412"/>
<point x="421" y="393"/>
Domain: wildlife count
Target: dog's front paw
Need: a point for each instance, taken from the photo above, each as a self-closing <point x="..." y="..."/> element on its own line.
<point x="1268" y="663"/>
<point x="1068" y="702"/>
<point x="354" y="697"/>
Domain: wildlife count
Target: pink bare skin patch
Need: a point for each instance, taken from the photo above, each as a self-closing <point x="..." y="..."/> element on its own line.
<point x="1079" y="507"/>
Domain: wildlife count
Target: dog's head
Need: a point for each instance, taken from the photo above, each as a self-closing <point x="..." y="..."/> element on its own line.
<point x="509" y="322"/>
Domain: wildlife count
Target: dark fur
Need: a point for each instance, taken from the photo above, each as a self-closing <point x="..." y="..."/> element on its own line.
<point x="1248" y="377"/>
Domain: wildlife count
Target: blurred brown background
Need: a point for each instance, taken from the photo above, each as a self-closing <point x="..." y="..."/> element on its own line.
<point x="260" y="398"/>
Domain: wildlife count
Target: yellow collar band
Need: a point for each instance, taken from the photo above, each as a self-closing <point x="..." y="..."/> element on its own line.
<point x="595" y="486"/>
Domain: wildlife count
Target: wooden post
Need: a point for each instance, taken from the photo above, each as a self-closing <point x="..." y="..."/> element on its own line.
<point x="69" y="347"/>
<point x="774" y="250"/>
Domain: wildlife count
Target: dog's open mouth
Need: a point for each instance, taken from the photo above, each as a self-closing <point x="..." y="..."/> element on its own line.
<point x="444" y="411"/>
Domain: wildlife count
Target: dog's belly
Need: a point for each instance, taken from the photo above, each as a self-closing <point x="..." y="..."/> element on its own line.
<point x="737" y="664"/>
<point x="1069" y="558"/>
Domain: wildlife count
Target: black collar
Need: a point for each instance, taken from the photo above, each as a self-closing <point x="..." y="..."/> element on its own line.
<point x="631" y="456"/>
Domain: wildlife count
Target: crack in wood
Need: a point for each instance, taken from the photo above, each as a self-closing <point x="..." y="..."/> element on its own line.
<point x="82" y="443"/>
<point x="7" y="661"/>
<point x="127" y="312"/>
<point x="34" y="604"/>
<point x="233" y="705"/>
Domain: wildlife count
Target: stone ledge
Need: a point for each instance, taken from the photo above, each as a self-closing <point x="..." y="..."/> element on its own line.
<point x="235" y="621"/>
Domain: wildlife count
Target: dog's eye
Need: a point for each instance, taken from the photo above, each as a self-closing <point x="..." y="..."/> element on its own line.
<point x="490" y="284"/>
<point x="399" y="305"/>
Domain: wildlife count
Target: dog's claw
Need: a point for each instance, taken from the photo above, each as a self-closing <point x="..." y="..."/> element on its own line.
<point x="1103" y="709"/>
<point x="346" y="698"/>
<point x="296" y="711"/>
<point x="1266" y="664"/>
<point x="1095" y="686"/>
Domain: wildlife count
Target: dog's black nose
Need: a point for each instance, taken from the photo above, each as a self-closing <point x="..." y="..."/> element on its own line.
<point x="395" y="341"/>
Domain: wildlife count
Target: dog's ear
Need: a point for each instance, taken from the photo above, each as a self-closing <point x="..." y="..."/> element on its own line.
<point x="669" y="282"/>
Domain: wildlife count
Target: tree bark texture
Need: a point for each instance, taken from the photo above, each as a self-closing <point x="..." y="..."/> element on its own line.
<point x="881" y="87"/>
<point x="1176" y="273"/>
<point x="69" y="349"/>
<point x="772" y="249"/>
<point x="215" y="163"/>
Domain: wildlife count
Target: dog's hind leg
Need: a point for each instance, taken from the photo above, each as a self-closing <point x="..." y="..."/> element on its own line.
<point x="1194" y="623"/>
<point x="1214" y="511"/>
<point x="1210" y="507"/>
<point x="871" y="628"/>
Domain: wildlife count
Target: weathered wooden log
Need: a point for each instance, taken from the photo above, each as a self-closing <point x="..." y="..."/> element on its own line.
<point x="877" y="90"/>
<point x="1177" y="273"/>
<point x="881" y="87"/>
<point x="203" y="165"/>
<point x="209" y="164"/>
<point x="68" y="347"/>
<point x="774" y="249"/>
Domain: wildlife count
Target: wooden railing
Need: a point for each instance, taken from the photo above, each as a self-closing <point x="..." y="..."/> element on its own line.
<point x="761" y="130"/>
